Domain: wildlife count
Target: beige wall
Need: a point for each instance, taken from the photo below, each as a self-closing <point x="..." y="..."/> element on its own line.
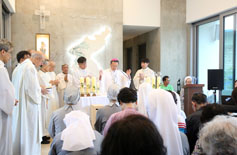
<point x="201" y="9"/>
<point x="141" y="12"/>
<point x="174" y="40"/>
<point x="69" y="21"/>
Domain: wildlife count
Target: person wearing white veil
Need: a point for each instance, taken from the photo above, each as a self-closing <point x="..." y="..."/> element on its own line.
<point x="104" y="113"/>
<point x="187" y="80"/>
<point x="163" y="112"/>
<point x="78" y="138"/>
<point x="71" y="98"/>
<point x="143" y="91"/>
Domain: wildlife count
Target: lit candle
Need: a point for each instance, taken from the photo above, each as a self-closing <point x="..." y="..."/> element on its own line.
<point x="88" y="81"/>
<point x="93" y="84"/>
<point x="158" y="82"/>
<point x="153" y="82"/>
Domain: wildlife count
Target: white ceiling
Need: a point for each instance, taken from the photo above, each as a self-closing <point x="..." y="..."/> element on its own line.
<point x="133" y="31"/>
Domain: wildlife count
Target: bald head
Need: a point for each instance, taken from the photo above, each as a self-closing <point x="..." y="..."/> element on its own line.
<point x="51" y="66"/>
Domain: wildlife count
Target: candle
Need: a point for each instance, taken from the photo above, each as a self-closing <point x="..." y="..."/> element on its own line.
<point x="93" y="84"/>
<point x="88" y="84"/>
<point x="158" y="82"/>
<point x="153" y="82"/>
<point x="88" y="81"/>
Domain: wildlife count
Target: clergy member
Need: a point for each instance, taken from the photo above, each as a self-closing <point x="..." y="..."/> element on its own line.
<point x="46" y="107"/>
<point x="79" y="71"/>
<point x="143" y="73"/>
<point x="7" y="98"/>
<point x="103" y="114"/>
<point x="54" y="82"/>
<point x="22" y="56"/>
<point x="114" y="76"/>
<point x="71" y="98"/>
<point x="29" y="129"/>
<point x="65" y="80"/>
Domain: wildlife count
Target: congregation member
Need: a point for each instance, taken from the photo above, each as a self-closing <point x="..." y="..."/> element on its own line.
<point x="71" y="98"/>
<point x="79" y="70"/>
<point x="65" y="80"/>
<point x="143" y="73"/>
<point x="78" y="137"/>
<point x="193" y="123"/>
<point x="46" y="106"/>
<point x="127" y="99"/>
<point x="143" y="91"/>
<point x="166" y="84"/>
<point x="29" y="129"/>
<point x="103" y="114"/>
<point x="181" y="114"/>
<point x="7" y="97"/>
<point x="133" y="135"/>
<point x="219" y="136"/>
<point x="54" y="101"/>
<point x="164" y="114"/>
<point x="209" y="112"/>
<point x="114" y="76"/>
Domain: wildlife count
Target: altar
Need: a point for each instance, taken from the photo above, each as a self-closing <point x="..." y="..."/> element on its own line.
<point x="86" y="102"/>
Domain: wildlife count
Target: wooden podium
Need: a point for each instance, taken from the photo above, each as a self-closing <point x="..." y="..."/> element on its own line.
<point x="189" y="90"/>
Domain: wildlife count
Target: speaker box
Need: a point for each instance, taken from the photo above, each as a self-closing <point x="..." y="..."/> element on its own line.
<point x="215" y="79"/>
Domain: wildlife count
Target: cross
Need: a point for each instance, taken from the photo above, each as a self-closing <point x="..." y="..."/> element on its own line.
<point x="43" y="14"/>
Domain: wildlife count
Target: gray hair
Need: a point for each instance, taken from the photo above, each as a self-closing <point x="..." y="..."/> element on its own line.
<point x="45" y="62"/>
<point x="5" y="45"/>
<point x="37" y="55"/>
<point x="219" y="136"/>
<point x="113" y="91"/>
<point x="71" y="95"/>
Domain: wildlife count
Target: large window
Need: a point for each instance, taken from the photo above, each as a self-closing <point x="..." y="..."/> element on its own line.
<point x="216" y="47"/>
<point x="207" y="52"/>
<point x="229" y="49"/>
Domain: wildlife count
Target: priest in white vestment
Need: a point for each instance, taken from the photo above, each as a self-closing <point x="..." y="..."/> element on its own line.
<point x="29" y="127"/>
<point x="65" y="80"/>
<point x="143" y="73"/>
<point x="7" y="99"/>
<point x="54" y="82"/>
<point x="21" y="57"/>
<point x="46" y="108"/>
<point x="79" y="71"/>
<point x="114" y="76"/>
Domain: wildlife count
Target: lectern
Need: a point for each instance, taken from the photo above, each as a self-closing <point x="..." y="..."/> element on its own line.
<point x="189" y="90"/>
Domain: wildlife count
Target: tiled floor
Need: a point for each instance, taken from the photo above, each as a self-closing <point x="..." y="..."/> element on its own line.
<point x="45" y="148"/>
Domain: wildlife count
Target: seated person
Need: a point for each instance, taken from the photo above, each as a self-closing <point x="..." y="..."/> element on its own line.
<point x="127" y="99"/>
<point x="133" y="135"/>
<point x="181" y="118"/>
<point x="78" y="138"/>
<point x="166" y="84"/>
<point x="219" y="136"/>
<point x="71" y="98"/>
<point x="104" y="113"/>
<point x="193" y="123"/>
<point x="164" y="114"/>
<point x="208" y="113"/>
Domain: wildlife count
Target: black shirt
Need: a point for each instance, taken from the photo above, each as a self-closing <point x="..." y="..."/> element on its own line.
<point x="193" y="125"/>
